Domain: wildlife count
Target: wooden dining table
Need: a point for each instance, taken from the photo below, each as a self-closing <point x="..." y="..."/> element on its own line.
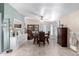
<point x="36" y="38"/>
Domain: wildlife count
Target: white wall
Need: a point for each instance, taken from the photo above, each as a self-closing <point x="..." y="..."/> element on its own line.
<point x="72" y="22"/>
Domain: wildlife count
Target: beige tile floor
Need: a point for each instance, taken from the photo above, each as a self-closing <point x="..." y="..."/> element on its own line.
<point x="30" y="49"/>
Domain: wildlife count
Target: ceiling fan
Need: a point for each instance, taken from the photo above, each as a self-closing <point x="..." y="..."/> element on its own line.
<point x="41" y="16"/>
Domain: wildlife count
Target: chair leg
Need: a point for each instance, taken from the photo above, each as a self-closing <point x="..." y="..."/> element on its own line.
<point x="47" y="41"/>
<point x="44" y="43"/>
<point x="39" y="44"/>
<point x="34" y="41"/>
<point x="37" y="41"/>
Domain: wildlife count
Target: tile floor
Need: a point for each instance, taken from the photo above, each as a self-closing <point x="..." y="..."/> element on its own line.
<point x="30" y="49"/>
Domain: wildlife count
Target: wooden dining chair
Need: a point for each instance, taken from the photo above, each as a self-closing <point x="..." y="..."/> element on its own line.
<point x="30" y="35"/>
<point x="41" y="38"/>
<point x="47" y="35"/>
<point x="35" y="38"/>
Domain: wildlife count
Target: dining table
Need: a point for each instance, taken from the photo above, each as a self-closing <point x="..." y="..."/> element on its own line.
<point x="36" y="38"/>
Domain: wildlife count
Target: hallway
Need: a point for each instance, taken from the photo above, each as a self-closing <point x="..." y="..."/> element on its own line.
<point x="36" y="17"/>
<point x="53" y="49"/>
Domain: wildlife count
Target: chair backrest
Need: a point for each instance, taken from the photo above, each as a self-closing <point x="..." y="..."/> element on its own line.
<point x="48" y="34"/>
<point x="41" y="35"/>
<point x="30" y="34"/>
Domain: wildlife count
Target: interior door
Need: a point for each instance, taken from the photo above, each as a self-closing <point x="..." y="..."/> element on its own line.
<point x="0" y="34"/>
<point x="6" y="30"/>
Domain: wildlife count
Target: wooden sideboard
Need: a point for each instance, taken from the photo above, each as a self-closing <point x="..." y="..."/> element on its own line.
<point x="62" y="36"/>
<point x="32" y="28"/>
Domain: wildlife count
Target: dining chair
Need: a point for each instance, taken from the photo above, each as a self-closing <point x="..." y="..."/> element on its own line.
<point x="35" y="38"/>
<point x="47" y="35"/>
<point x="41" y="38"/>
<point x="30" y="35"/>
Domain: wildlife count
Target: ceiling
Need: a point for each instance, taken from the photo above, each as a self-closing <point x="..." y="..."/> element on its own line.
<point x="49" y="11"/>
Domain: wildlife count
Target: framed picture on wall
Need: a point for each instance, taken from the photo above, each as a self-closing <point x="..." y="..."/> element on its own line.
<point x="17" y="26"/>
